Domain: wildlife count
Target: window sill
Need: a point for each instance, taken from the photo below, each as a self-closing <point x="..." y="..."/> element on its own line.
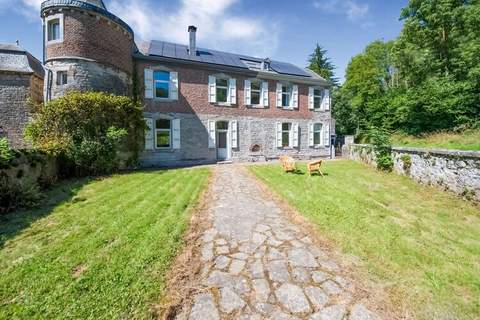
<point x="256" y="106"/>
<point x="288" y="108"/>
<point x="49" y="42"/>
<point x="163" y="150"/>
<point x="223" y="104"/>
<point x="163" y="99"/>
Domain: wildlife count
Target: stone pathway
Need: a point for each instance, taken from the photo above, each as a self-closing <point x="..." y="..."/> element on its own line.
<point x="259" y="265"/>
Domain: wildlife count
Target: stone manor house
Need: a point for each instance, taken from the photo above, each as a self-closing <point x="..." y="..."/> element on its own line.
<point x="201" y="105"/>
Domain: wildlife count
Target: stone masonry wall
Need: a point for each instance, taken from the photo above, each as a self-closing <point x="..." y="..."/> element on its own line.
<point x="14" y="114"/>
<point x="85" y="75"/>
<point x="458" y="171"/>
<point x="251" y="130"/>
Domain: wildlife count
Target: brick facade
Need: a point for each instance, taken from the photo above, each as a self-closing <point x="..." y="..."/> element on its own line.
<point x="92" y="37"/>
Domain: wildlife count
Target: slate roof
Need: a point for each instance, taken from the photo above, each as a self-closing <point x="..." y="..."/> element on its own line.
<point x="157" y="48"/>
<point x="13" y="58"/>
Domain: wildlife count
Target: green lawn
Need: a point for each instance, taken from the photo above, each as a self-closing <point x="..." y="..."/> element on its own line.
<point x="467" y="140"/>
<point x="422" y="244"/>
<point x="99" y="249"/>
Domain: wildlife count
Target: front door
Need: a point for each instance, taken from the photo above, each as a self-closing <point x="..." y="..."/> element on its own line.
<point x="222" y="140"/>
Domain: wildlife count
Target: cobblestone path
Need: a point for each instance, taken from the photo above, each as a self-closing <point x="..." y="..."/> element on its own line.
<point x="259" y="265"/>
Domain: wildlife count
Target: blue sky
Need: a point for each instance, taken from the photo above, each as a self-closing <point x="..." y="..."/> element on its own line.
<point x="283" y="30"/>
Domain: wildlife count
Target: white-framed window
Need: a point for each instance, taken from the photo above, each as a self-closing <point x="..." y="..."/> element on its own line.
<point x="62" y="78"/>
<point x="286" y="95"/>
<point x="317" y="134"/>
<point x="161" y="81"/>
<point x="163" y="134"/>
<point x="256" y="92"/>
<point x="222" y="89"/>
<point x="54" y="28"/>
<point x="286" y="134"/>
<point x="317" y="98"/>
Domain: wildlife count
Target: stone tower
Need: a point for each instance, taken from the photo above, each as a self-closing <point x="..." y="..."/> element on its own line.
<point x="86" y="48"/>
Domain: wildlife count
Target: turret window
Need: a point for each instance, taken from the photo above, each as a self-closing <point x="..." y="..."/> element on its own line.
<point x="62" y="78"/>
<point x="54" y="28"/>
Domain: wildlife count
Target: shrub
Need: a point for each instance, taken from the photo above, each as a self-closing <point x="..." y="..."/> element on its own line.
<point x="382" y="147"/>
<point x="407" y="162"/>
<point x="86" y="131"/>
<point x="6" y="153"/>
<point x="15" y="194"/>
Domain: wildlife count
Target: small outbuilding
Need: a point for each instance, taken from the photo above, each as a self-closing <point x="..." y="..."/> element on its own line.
<point x="21" y="79"/>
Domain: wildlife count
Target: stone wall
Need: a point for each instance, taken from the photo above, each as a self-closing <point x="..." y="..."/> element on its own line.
<point x="14" y="113"/>
<point x="84" y="75"/>
<point x="251" y="131"/>
<point x="30" y="167"/>
<point x="458" y="171"/>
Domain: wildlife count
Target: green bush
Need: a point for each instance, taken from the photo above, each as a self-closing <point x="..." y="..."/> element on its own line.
<point x="382" y="147"/>
<point x="6" y="153"/>
<point x="407" y="162"/>
<point x="15" y="194"/>
<point x="86" y="131"/>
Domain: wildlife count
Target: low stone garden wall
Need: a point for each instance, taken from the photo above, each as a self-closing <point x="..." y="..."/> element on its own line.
<point x="458" y="171"/>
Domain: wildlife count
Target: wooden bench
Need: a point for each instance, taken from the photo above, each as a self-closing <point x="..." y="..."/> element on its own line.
<point x="288" y="164"/>
<point x="314" y="167"/>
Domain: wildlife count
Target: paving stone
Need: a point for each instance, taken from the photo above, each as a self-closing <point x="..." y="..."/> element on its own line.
<point x="230" y="301"/>
<point x="329" y="265"/>
<point x="335" y="312"/>
<point x="223" y="250"/>
<point x="301" y="258"/>
<point x="262" y="228"/>
<point x="256" y="269"/>
<point x="319" y="276"/>
<point x="260" y="252"/>
<point x="292" y="298"/>
<point x="209" y="235"/>
<point x="207" y="252"/>
<point x="222" y="262"/>
<point x="221" y="242"/>
<point x="237" y="266"/>
<point x="250" y="317"/>
<point x="341" y="281"/>
<point x="306" y="240"/>
<point x="300" y="275"/>
<point x="275" y="254"/>
<point x="261" y="289"/>
<point x="282" y="235"/>
<point x="274" y="242"/>
<point x="317" y="297"/>
<point x="331" y="287"/>
<point x="360" y="312"/>
<point x="280" y="315"/>
<point x="297" y="244"/>
<point x="240" y="256"/>
<point x="278" y="271"/>
<point x="204" y="308"/>
<point x="258" y="238"/>
<point x="264" y="308"/>
<point x="318" y="253"/>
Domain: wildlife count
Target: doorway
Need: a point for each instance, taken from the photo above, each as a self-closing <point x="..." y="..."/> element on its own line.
<point x="222" y="140"/>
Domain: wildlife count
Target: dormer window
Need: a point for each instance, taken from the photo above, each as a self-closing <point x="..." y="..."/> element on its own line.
<point x="54" y="28"/>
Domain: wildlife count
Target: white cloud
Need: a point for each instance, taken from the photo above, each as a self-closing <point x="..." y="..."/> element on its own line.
<point x="218" y="28"/>
<point x="352" y="9"/>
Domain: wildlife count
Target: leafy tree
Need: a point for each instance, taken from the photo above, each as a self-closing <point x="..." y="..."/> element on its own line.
<point x="88" y="131"/>
<point x="321" y="64"/>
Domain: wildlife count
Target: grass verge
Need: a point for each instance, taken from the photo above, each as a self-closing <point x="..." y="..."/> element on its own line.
<point x="99" y="253"/>
<point x="422" y="244"/>
<point x="466" y="140"/>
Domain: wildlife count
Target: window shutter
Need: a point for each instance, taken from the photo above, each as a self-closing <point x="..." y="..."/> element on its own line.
<point x="311" y="142"/>
<point x="295" y="97"/>
<point x="212" y="89"/>
<point x="279" y="134"/>
<point x="234" y="133"/>
<point x="176" y="134"/>
<point x="174" y="85"/>
<point x="148" y="84"/>
<point x="265" y="93"/>
<point x="311" y="104"/>
<point x="279" y="95"/>
<point x="295" y="132"/>
<point x="149" y="134"/>
<point x="327" y="100"/>
<point x="248" y="93"/>
<point x="232" y="86"/>
<point x="211" y="134"/>
<point x="326" y="133"/>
